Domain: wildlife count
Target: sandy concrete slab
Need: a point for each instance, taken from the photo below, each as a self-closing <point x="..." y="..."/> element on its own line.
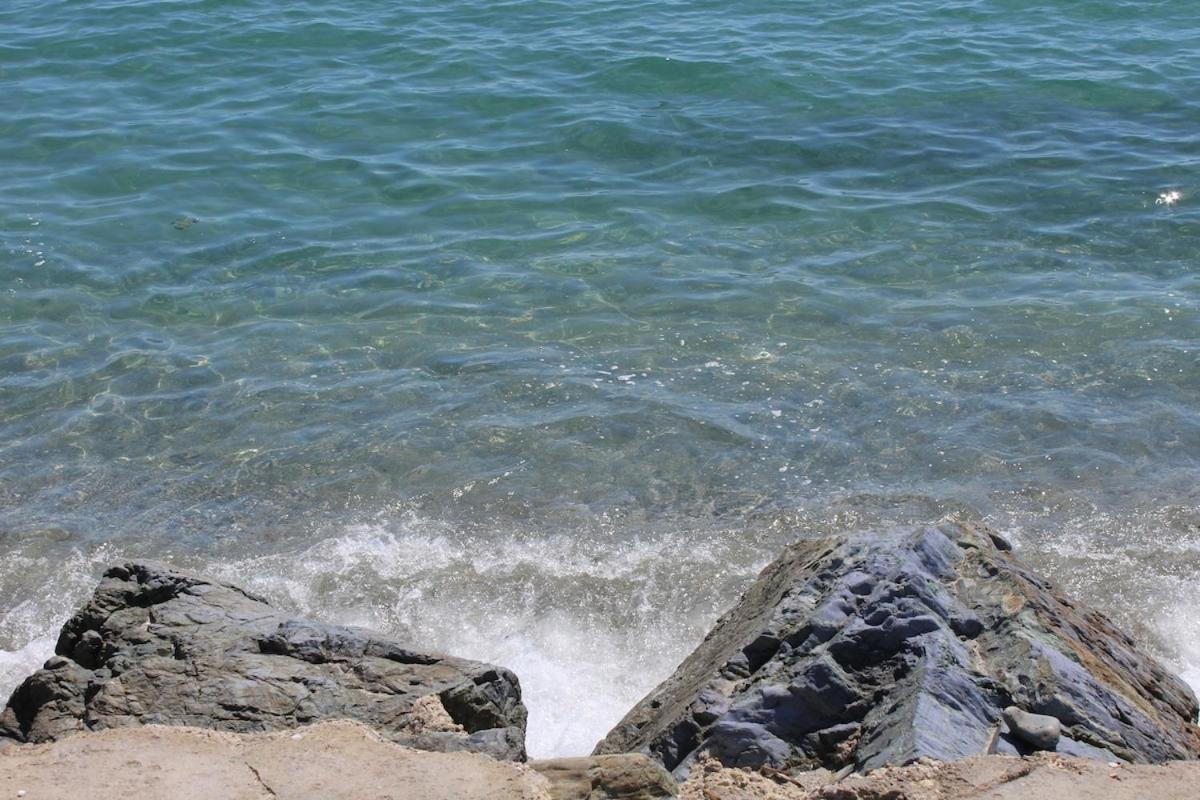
<point x="348" y="761"/>
<point x="330" y="761"/>
<point x="1043" y="777"/>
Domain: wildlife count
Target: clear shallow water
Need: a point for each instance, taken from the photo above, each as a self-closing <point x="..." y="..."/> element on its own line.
<point x="533" y="329"/>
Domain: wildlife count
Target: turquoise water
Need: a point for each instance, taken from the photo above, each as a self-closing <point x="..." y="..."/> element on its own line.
<point x="533" y="329"/>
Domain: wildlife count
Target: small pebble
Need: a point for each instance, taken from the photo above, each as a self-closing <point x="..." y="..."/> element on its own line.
<point x="22" y="793"/>
<point x="296" y="736"/>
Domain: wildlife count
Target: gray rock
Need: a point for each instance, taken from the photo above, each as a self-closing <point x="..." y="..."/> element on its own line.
<point x="885" y="647"/>
<point x="1039" y="730"/>
<point x="1069" y="747"/>
<point x="157" y="646"/>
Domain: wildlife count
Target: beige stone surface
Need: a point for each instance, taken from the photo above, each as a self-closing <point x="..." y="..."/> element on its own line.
<point x="622" y="776"/>
<point x="331" y="761"/>
<point x="1043" y="777"/>
<point x="345" y="760"/>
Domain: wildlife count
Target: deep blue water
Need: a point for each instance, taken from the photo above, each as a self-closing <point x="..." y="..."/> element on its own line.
<point x="532" y="329"/>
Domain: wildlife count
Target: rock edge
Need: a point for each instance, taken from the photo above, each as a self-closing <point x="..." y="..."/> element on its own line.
<point x="157" y="646"/>
<point x="856" y="652"/>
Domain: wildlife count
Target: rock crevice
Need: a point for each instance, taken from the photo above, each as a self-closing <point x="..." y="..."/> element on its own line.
<point x="886" y="647"/>
<point x="846" y="654"/>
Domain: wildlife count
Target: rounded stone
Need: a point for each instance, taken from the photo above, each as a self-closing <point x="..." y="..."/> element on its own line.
<point x="1039" y="730"/>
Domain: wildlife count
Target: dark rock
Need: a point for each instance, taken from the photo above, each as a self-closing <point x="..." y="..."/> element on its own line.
<point x="1000" y="542"/>
<point x="1039" y="730"/>
<point x="885" y="647"/>
<point x="157" y="646"/>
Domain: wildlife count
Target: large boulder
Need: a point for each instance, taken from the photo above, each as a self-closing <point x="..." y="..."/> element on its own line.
<point x="155" y="646"/>
<point x="881" y="648"/>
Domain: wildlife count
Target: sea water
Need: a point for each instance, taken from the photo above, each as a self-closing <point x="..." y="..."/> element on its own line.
<point x="530" y="330"/>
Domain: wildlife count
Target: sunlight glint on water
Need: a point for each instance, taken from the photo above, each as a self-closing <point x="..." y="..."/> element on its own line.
<point x="532" y="330"/>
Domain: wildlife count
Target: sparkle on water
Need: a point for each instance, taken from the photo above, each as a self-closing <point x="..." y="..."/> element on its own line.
<point x="531" y="330"/>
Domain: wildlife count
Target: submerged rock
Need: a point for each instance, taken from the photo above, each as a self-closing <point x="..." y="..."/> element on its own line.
<point x="886" y="647"/>
<point x="156" y="646"/>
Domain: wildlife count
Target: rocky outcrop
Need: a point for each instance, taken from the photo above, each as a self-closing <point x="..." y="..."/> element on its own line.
<point x="157" y="646"/>
<point x="885" y="647"/>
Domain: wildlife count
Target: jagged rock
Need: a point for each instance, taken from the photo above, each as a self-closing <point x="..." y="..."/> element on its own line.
<point x="157" y="646"/>
<point x="1038" y="730"/>
<point x="625" y="776"/>
<point x="885" y="647"/>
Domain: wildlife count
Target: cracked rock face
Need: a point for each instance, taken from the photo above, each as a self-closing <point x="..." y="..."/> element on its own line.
<point x="885" y="647"/>
<point x="156" y="646"/>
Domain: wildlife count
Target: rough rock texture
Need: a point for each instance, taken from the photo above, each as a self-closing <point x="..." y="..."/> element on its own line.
<point x="626" y="776"/>
<point x="885" y="647"/>
<point x="156" y="646"/>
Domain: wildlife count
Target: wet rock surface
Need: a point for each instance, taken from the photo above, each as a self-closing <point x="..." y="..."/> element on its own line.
<point x="885" y="647"/>
<point x="156" y="646"/>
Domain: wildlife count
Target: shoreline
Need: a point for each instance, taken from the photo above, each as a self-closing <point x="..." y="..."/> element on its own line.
<point x="907" y="662"/>
<point x="340" y="759"/>
<point x="658" y="592"/>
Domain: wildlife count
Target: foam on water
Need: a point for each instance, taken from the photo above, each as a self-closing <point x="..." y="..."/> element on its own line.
<point x="37" y="594"/>
<point x="381" y="308"/>
<point x="592" y="618"/>
<point x="588" y="622"/>
<point x="1177" y="623"/>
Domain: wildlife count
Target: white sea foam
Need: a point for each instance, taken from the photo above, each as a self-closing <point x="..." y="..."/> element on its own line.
<point x="1178" y="625"/>
<point x="589" y="618"/>
<point x="17" y="663"/>
<point x="40" y="593"/>
<point x="1135" y="566"/>
<point x="589" y="621"/>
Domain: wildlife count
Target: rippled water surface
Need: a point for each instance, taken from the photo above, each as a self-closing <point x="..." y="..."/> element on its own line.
<point x="532" y="329"/>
